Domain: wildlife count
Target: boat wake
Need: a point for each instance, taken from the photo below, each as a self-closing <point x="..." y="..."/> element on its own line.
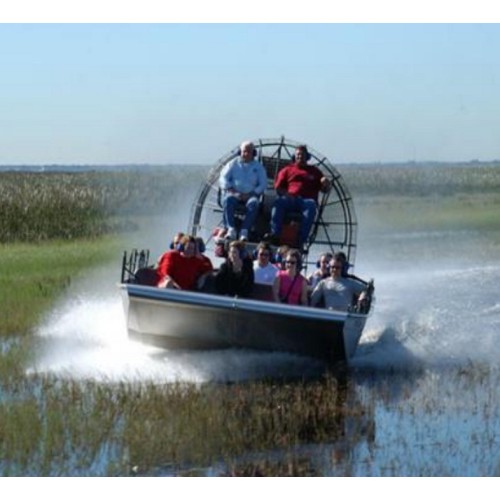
<point x="86" y="339"/>
<point x="423" y="317"/>
<point x="433" y="317"/>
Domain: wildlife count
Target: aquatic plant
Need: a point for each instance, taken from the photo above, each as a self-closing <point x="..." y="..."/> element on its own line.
<point x="421" y="180"/>
<point x="54" y="205"/>
<point x="46" y="205"/>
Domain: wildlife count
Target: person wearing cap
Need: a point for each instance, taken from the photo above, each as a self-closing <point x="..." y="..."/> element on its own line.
<point x="243" y="180"/>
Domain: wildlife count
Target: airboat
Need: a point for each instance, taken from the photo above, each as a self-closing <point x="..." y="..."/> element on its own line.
<point x="178" y="319"/>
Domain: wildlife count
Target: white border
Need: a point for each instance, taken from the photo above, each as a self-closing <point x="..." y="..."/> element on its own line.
<point x="257" y="11"/>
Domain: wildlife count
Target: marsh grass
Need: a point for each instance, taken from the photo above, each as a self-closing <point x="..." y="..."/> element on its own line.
<point x="368" y="424"/>
<point x="37" y="207"/>
<point x="458" y="212"/>
<point x="63" y="205"/>
<point x="219" y="423"/>
<point x="421" y="180"/>
<point x="32" y="276"/>
<point x="58" y="427"/>
<point x="265" y="428"/>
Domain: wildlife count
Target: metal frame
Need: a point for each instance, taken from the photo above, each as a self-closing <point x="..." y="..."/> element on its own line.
<point x="335" y="227"/>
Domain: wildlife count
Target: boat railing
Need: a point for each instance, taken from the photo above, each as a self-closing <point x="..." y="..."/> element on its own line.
<point x="132" y="263"/>
<point x="364" y="305"/>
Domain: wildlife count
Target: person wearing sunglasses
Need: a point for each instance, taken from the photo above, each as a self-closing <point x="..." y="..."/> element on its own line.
<point x="337" y="291"/>
<point x="264" y="271"/>
<point x="289" y="286"/>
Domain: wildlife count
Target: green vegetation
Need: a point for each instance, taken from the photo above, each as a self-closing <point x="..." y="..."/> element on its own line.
<point x="67" y="428"/>
<point x="457" y="212"/>
<point x="316" y="428"/>
<point x="32" y="276"/>
<point x="421" y="181"/>
<point x="37" y="207"/>
<point x="424" y="198"/>
<point x="43" y="206"/>
<point x="54" y="227"/>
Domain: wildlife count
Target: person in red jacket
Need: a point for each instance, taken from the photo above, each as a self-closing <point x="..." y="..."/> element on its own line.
<point x="298" y="186"/>
<point x="181" y="268"/>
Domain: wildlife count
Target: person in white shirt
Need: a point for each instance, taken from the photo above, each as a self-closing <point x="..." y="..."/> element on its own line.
<point x="243" y="180"/>
<point x="264" y="272"/>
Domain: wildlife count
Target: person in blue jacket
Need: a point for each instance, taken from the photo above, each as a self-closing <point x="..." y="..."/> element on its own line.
<point x="243" y="180"/>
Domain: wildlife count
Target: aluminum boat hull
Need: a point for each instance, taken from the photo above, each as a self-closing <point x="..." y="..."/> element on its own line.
<point x="175" y="319"/>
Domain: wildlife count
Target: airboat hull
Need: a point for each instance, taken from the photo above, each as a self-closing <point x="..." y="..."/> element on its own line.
<point x="174" y="319"/>
<point x="195" y="320"/>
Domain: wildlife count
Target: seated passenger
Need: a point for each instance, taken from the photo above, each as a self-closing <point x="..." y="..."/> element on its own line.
<point x="181" y="268"/>
<point x="337" y="291"/>
<point x="243" y="181"/>
<point x="298" y="186"/>
<point x="176" y="241"/>
<point x="235" y="276"/>
<point x="280" y="257"/>
<point x="345" y="268"/>
<point x="263" y="270"/>
<point x="289" y="286"/>
<point x="173" y="245"/>
<point x="205" y="281"/>
<point x="322" y="271"/>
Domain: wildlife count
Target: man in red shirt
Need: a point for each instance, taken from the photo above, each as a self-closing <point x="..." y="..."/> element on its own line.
<point x="298" y="186"/>
<point x="181" y="268"/>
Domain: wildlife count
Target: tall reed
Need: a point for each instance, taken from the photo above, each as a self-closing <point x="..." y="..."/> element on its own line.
<point x="53" y="205"/>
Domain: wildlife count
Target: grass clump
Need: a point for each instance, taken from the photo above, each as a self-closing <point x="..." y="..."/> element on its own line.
<point x="421" y="180"/>
<point x="62" y="205"/>
<point x="32" y="276"/>
<point x="38" y="207"/>
<point x="219" y="424"/>
<point x="69" y="427"/>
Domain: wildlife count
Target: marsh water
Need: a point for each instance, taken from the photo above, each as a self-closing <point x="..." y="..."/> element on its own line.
<point x="425" y="377"/>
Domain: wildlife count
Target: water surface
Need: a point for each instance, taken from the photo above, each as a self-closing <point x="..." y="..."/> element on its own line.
<point x="426" y="371"/>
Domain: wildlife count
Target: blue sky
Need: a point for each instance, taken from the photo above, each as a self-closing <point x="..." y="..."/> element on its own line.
<point x="171" y="93"/>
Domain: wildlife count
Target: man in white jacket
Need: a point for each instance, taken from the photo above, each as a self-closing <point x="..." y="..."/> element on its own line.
<point x="243" y="180"/>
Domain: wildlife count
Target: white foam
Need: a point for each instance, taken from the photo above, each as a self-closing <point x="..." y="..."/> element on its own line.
<point x="433" y="314"/>
<point x="426" y="311"/>
<point x="86" y="338"/>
